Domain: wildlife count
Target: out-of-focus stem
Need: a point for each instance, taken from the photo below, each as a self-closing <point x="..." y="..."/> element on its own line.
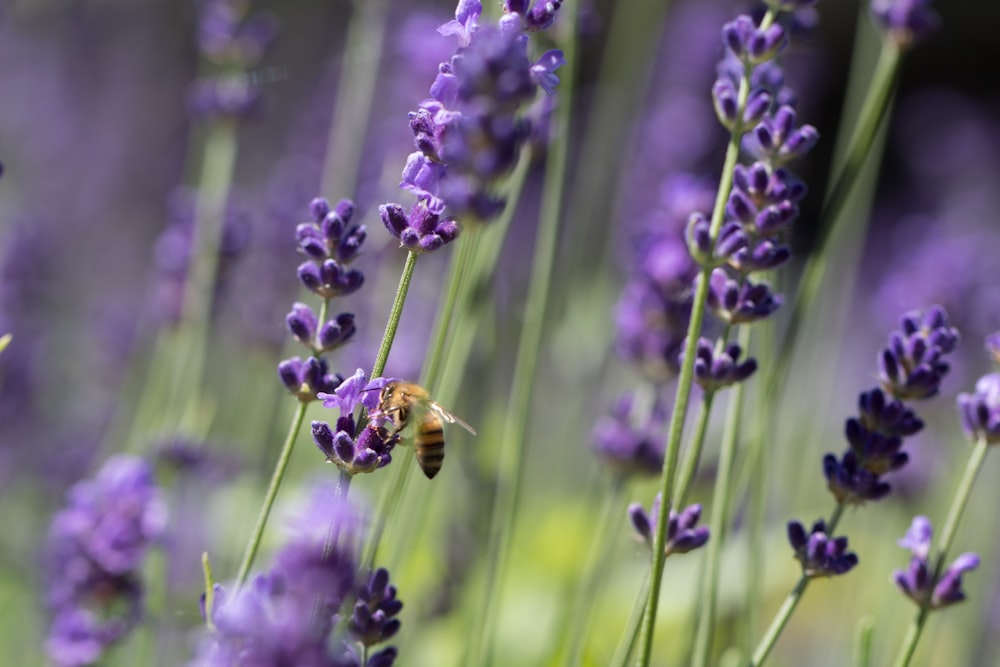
<point x="720" y="517"/>
<point x="355" y="96"/>
<point x="602" y="547"/>
<point x="272" y="492"/>
<point x="948" y="531"/>
<point x="514" y="441"/>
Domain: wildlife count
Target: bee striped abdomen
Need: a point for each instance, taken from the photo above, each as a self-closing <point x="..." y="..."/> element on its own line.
<point x="428" y="444"/>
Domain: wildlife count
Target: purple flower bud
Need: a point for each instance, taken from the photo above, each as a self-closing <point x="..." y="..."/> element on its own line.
<point x="757" y="105"/>
<point x="820" y="554"/>
<point x="626" y="446"/>
<point x="912" y="366"/>
<point x="726" y="103"/>
<point x="301" y="322"/>
<point x="979" y="412"/>
<point x="916" y="581"/>
<point x="905" y="22"/>
<point x="713" y="372"/>
<point x="374" y="618"/>
<point x="850" y="483"/>
<point x="764" y="256"/>
<point x="682" y="533"/>
<point x="306" y="379"/>
<point x="740" y="302"/>
<point x="336" y="332"/>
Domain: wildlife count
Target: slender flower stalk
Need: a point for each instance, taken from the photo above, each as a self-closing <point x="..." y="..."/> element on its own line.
<point x="686" y="375"/>
<point x="979" y="414"/>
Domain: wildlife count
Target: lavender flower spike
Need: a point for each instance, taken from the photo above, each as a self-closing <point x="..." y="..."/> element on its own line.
<point x="905" y="22"/>
<point x="916" y="581"/>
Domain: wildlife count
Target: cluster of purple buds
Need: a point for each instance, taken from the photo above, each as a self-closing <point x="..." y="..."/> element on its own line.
<point x="752" y="102"/>
<point x="289" y="615"/>
<point x="980" y="411"/>
<point x="330" y="244"/>
<point x="373" y="620"/>
<point x="905" y="22"/>
<point x="683" y="534"/>
<point x="470" y="132"/>
<point x="233" y="43"/>
<point x="820" y="554"/>
<point x="95" y="550"/>
<point x="918" y="581"/>
<point x="715" y="370"/>
<point x="342" y="445"/>
<point x="910" y="367"/>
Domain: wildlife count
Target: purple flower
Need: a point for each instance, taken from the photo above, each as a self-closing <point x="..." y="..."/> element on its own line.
<point x="979" y="412"/>
<point x="732" y="239"/>
<point x="469" y="134"/>
<point x="917" y="582"/>
<point x="628" y="446"/>
<point x="777" y="140"/>
<point x="422" y="229"/>
<point x="374" y="618"/>
<point x="289" y="615"/>
<point x="751" y="44"/>
<point x="851" y="483"/>
<point x="820" y="554"/>
<point x="905" y="22"/>
<point x="95" y="548"/>
<point x="306" y="379"/>
<point x="682" y="535"/>
<point x="342" y="445"/>
<point x="740" y="302"/>
<point x="912" y="364"/>
<point x="714" y="371"/>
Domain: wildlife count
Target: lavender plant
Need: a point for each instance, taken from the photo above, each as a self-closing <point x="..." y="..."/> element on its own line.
<point x="564" y="199"/>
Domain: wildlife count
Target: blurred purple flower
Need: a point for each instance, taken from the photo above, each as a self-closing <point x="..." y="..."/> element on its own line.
<point x="629" y="446"/>
<point x="917" y="581"/>
<point x="682" y="535"/>
<point x="95" y="549"/>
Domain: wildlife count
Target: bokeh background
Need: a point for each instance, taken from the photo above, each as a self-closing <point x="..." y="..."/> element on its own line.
<point x="97" y="140"/>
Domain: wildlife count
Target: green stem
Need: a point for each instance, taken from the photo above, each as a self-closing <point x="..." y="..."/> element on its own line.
<point x="626" y="645"/>
<point x="676" y="429"/>
<point x="720" y="517"/>
<point x="355" y="96"/>
<point x="693" y="456"/>
<point x="602" y="547"/>
<point x="272" y="491"/>
<point x="210" y="211"/>
<point x="394" y="315"/>
<point x="958" y="505"/>
<point x="788" y="606"/>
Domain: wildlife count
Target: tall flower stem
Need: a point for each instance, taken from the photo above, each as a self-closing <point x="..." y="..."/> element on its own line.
<point x="355" y="96"/>
<point x="395" y="313"/>
<point x="510" y="473"/>
<point x="272" y="492"/>
<point x="958" y="505"/>
<point x="788" y="606"/>
<point x="626" y="644"/>
<point x="168" y="385"/>
<point x="676" y="428"/>
<point x="721" y="498"/>
<point x="602" y="547"/>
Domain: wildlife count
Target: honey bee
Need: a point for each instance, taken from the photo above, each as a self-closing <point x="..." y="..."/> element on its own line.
<point x="399" y="401"/>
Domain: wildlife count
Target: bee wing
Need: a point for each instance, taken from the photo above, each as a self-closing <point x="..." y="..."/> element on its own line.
<point x="448" y="417"/>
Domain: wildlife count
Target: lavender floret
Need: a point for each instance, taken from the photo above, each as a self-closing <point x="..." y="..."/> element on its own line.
<point x="682" y="534"/>
<point x="916" y="581"/>
<point x="820" y="554"/>
<point x="979" y="411"/>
